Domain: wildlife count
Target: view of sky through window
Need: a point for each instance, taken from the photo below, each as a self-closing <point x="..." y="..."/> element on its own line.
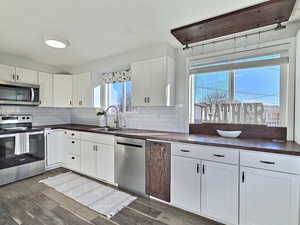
<point x="251" y="85"/>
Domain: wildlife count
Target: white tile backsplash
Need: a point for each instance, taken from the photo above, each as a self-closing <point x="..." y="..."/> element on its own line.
<point x="158" y="118"/>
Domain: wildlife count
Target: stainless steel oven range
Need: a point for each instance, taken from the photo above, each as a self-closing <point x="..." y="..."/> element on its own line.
<point x="22" y="148"/>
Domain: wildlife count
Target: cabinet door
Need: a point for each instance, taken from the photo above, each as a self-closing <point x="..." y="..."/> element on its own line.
<point x="185" y="183"/>
<point x="219" y="192"/>
<point x="7" y="73"/>
<point x="158" y="82"/>
<point x="66" y="147"/>
<point x="82" y="90"/>
<point x="55" y="142"/>
<point x="62" y="90"/>
<point x="268" y="198"/>
<point x="106" y="163"/>
<point x="26" y="76"/>
<point x="158" y="170"/>
<point x="46" y="89"/>
<point x="149" y="82"/>
<point x="140" y="79"/>
<point x="89" y="158"/>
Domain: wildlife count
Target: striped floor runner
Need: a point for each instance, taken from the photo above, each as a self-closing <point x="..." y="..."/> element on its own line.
<point x="101" y="198"/>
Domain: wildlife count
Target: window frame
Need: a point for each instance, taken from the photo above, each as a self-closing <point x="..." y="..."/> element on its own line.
<point x="107" y="94"/>
<point x="283" y="92"/>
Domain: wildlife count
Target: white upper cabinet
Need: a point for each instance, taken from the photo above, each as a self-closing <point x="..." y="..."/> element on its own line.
<point x="268" y="198"/>
<point x="26" y="76"/>
<point x="62" y="90"/>
<point x="7" y="73"/>
<point x="82" y="90"/>
<point x="219" y="191"/>
<point x="46" y="89"/>
<point x="153" y="82"/>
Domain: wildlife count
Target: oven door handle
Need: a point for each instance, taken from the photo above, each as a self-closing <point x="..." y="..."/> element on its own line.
<point x="32" y="94"/>
<point x="36" y="132"/>
<point x="7" y="135"/>
<point x="130" y="145"/>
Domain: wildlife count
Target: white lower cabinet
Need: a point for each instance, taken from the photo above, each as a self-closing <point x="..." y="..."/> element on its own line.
<point x="219" y="191"/>
<point x="185" y="183"/>
<point x="55" y="143"/>
<point x="73" y="162"/>
<point x="268" y="198"/>
<point x="105" y="163"/>
<point x="89" y="158"/>
<point x="89" y="154"/>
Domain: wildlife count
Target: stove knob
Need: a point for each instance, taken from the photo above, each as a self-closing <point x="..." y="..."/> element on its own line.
<point x="23" y="118"/>
<point x="28" y="117"/>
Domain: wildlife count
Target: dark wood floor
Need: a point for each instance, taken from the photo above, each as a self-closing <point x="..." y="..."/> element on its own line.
<point x="28" y="202"/>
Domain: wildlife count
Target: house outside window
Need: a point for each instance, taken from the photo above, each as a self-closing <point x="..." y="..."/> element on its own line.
<point x="245" y="91"/>
<point x="119" y="94"/>
<point x="114" y="89"/>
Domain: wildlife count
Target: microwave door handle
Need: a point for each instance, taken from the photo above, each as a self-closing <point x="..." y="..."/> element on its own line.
<point x="32" y="94"/>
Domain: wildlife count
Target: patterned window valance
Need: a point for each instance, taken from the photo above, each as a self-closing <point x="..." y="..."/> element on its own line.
<point x="121" y="76"/>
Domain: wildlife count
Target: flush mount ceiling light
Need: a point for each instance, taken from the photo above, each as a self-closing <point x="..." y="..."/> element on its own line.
<point x="56" y="42"/>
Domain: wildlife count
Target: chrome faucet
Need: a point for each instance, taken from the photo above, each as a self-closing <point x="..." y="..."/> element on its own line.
<point x="116" y="120"/>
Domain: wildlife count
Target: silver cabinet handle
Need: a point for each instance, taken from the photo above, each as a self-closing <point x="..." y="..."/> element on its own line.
<point x="267" y="162"/>
<point x="218" y="155"/>
<point x="243" y="177"/>
<point x="18" y="77"/>
<point x="183" y="150"/>
<point x="95" y="148"/>
<point x="198" y="168"/>
<point x="32" y="94"/>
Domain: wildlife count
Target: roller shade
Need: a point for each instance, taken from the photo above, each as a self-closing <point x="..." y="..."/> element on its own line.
<point x="237" y="65"/>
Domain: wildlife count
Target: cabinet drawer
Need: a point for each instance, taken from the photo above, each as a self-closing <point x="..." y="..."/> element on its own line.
<point x="188" y="150"/>
<point x="73" y="146"/>
<point x="99" y="138"/>
<point x="204" y="152"/>
<point x="73" y="162"/>
<point x="270" y="161"/>
<point x="73" y="134"/>
<point x="222" y="155"/>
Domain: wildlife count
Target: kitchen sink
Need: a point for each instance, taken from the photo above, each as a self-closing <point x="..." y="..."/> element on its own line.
<point x="106" y="129"/>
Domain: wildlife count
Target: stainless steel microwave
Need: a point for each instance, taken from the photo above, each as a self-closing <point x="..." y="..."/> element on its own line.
<point x="12" y="93"/>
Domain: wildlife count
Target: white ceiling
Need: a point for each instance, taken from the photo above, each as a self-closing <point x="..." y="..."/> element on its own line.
<point x="98" y="28"/>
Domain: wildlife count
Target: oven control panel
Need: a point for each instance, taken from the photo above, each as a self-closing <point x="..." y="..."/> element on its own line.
<point x="5" y="119"/>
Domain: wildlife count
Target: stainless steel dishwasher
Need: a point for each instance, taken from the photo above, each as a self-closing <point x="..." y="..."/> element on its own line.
<point x="130" y="165"/>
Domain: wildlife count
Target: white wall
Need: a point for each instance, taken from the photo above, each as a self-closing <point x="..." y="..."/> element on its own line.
<point x="123" y="61"/>
<point x="17" y="61"/>
<point x="297" y="90"/>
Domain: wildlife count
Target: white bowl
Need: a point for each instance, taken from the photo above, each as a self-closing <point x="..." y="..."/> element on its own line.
<point x="229" y="134"/>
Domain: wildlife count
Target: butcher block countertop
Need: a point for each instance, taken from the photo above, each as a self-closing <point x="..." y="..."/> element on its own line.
<point x="262" y="145"/>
